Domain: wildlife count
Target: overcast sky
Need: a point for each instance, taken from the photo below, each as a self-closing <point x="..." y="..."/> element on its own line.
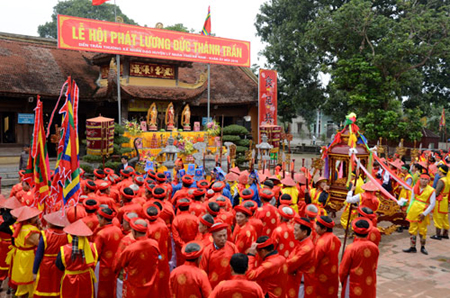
<point x="230" y="19"/>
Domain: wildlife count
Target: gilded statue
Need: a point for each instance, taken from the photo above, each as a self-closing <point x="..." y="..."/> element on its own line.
<point x="152" y="117"/>
<point x="170" y="116"/>
<point x="186" y="118"/>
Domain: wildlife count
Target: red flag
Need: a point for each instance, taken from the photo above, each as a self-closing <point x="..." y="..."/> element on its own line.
<point x="207" y="26"/>
<point x="98" y="2"/>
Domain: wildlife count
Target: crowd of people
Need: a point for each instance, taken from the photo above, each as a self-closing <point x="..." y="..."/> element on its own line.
<point x="238" y="234"/>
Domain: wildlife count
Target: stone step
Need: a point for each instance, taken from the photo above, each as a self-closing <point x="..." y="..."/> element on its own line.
<point x="8" y="182"/>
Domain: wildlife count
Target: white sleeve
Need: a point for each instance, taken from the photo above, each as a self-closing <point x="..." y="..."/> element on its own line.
<point x="386" y="177"/>
<point x="409" y="181"/>
<point x="432" y="203"/>
<point x="351" y="199"/>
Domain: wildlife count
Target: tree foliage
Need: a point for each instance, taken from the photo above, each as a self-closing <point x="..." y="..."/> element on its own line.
<point x="179" y="27"/>
<point x="388" y="60"/>
<point x="83" y="9"/>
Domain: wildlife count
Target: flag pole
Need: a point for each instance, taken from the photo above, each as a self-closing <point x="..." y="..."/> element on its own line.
<point x="209" y="92"/>
<point x="119" y="105"/>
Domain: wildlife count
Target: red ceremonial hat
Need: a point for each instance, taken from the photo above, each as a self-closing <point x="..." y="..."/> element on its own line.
<point x="266" y="194"/>
<point x="138" y="227"/>
<point x="90" y="207"/>
<point x="91" y="185"/>
<point x="108" y="171"/>
<point x="231" y="177"/>
<point x="139" y="180"/>
<point x="128" y="196"/>
<point x="186" y="179"/>
<point x="203" y="184"/>
<point x="185" y="202"/>
<point x="247" y="194"/>
<point x="304" y="222"/>
<point x="288" y="181"/>
<point x="247" y="204"/>
<point x="265" y="244"/>
<point x="127" y="217"/>
<point x="300" y="178"/>
<point x="369" y="186"/>
<point x="152" y="217"/>
<point x="205" y="222"/>
<point x="78" y="228"/>
<point x="311" y="210"/>
<point x="242" y="209"/>
<point x="425" y="176"/>
<point x="113" y="178"/>
<point x="131" y="169"/>
<point x="125" y="173"/>
<point x="199" y="192"/>
<point x="286" y="211"/>
<point x="218" y="186"/>
<point x="11" y="203"/>
<point x="359" y="230"/>
<point x="366" y="215"/>
<point x="149" y="186"/>
<point x="103" y="185"/>
<point x="221" y="201"/>
<point x="285" y="199"/>
<point x="151" y="174"/>
<point x="57" y="219"/>
<point x="159" y="192"/>
<point x="218" y="226"/>
<point x="210" y="211"/>
<point x="105" y="215"/>
<point x="396" y="164"/>
<point x="99" y="173"/>
<point x="160" y="177"/>
<point x="194" y="254"/>
<point x="25" y="213"/>
<point x="324" y="223"/>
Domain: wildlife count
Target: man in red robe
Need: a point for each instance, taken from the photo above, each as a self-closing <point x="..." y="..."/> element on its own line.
<point x="198" y="207"/>
<point x="272" y="272"/>
<point x="244" y="234"/>
<point x="188" y="280"/>
<point x="48" y="278"/>
<point x="107" y="241"/>
<point x="358" y="269"/>
<point x="327" y="251"/>
<point x="283" y="235"/>
<point x="184" y="228"/>
<point x="77" y="259"/>
<point x="239" y="285"/>
<point x="268" y="213"/>
<point x="167" y="214"/>
<point x="302" y="261"/>
<point x="91" y="219"/>
<point x="158" y="231"/>
<point x="127" y="196"/>
<point x="183" y="192"/>
<point x="140" y="263"/>
<point x="216" y="256"/>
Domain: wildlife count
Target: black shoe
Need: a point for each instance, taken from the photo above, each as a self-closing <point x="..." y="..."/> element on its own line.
<point x="411" y="249"/>
<point x="444" y="237"/>
<point x="400" y="230"/>
<point x="436" y="237"/>
<point x="423" y="250"/>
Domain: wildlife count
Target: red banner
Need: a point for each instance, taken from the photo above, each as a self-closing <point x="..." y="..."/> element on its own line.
<point x="115" y="38"/>
<point x="267" y="97"/>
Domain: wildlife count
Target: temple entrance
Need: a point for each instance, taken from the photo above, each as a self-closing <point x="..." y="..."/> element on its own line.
<point x="7" y="127"/>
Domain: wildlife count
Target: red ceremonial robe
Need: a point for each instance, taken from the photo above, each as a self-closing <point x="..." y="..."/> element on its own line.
<point x="48" y="279"/>
<point x="370" y="200"/>
<point x="301" y="266"/>
<point x="283" y="238"/>
<point x="257" y="224"/>
<point x="107" y="242"/>
<point x="238" y="286"/>
<point x="5" y="243"/>
<point x="271" y="274"/>
<point x="189" y="281"/>
<point x="216" y="262"/>
<point x="158" y="231"/>
<point x="197" y="208"/>
<point x="184" y="230"/>
<point x="78" y="276"/>
<point x="268" y="214"/>
<point x="129" y="207"/>
<point x="327" y="251"/>
<point x="140" y="263"/>
<point x="359" y="268"/>
<point x="243" y="237"/>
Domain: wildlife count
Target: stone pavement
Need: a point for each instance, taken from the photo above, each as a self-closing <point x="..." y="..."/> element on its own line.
<point x="400" y="274"/>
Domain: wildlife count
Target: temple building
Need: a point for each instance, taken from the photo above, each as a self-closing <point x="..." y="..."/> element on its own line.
<point x="31" y="66"/>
